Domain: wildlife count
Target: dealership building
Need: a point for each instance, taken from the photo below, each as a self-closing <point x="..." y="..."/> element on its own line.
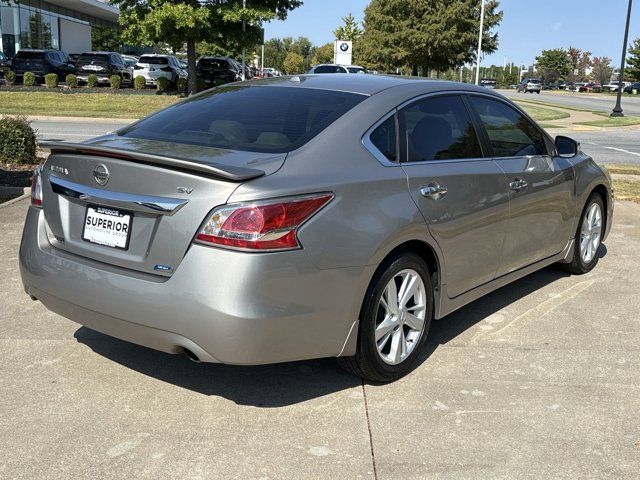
<point x="58" y="24"/>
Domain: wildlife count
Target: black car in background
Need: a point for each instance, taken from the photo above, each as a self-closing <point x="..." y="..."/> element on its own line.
<point x="41" y="63"/>
<point x="632" y="87"/>
<point x="213" y="71"/>
<point x="103" y="65"/>
<point x="5" y="64"/>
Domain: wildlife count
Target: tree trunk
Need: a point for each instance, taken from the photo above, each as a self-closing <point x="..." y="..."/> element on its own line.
<point x="425" y="71"/>
<point x="414" y="71"/>
<point x="191" y="66"/>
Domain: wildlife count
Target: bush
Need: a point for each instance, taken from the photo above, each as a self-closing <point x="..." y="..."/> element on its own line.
<point x="28" y="79"/>
<point x="182" y="85"/>
<point x="163" y="84"/>
<point x="17" y="140"/>
<point x="200" y="85"/>
<point x="139" y="83"/>
<point x="10" y="78"/>
<point x="51" y="80"/>
<point x="71" y="80"/>
<point x="92" y="81"/>
<point x="115" y="81"/>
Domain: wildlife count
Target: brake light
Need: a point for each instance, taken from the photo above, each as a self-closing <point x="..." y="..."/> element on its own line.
<point x="260" y="226"/>
<point x="36" y="187"/>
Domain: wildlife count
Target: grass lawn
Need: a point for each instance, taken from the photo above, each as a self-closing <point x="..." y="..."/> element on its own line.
<point x="541" y="114"/>
<point x="106" y="105"/>
<point x="612" y="122"/>
<point x="627" y="190"/>
<point x="623" y="169"/>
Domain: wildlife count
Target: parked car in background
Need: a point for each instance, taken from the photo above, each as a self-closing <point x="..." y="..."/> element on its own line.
<point x="328" y="68"/>
<point x="130" y="60"/>
<point x="41" y="63"/>
<point x="529" y="85"/>
<point x="215" y="71"/>
<point x="590" y="87"/>
<point x="227" y="228"/>
<point x="103" y="65"/>
<point x="488" y="83"/>
<point x="632" y="87"/>
<point x="154" y="66"/>
<point x="5" y="64"/>
<point x="356" y="69"/>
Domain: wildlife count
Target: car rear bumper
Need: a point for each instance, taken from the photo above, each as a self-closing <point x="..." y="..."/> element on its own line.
<point x="151" y="78"/>
<point x="84" y="77"/>
<point x="224" y="306"/>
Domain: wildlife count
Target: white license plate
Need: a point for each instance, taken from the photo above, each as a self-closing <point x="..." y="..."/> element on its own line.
<point x="107" y="226"/>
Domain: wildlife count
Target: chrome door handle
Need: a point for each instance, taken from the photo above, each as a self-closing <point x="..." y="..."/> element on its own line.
<point x="518" y="184"/>
<point x="434" y="191"/>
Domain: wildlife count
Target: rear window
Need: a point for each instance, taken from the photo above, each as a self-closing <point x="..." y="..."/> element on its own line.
<point x="154" y="60"/>
<point x="213" y="63"/>
<point x="28" y="54"/>
<point x="93" y="58"/>
<point x="329" y="69"/>
<point x="260" y="119"/>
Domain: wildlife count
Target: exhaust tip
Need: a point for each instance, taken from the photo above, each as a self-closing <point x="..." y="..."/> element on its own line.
<point x="191" y="356"/>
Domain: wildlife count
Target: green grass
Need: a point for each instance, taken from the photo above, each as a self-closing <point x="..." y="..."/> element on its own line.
<point x="551" y="125"/>
<point x="554" y="105"/>
<point x="542" y="114"/>
<point x="104" y="105"/>
<point x="627" y="190"/>
<point x="612" y="122"/>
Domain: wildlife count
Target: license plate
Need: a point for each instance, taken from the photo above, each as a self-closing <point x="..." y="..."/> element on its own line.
<point x="107" y="226"/>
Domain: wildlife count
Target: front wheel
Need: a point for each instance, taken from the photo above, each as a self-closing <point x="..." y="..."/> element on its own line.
<point x="588" y="237"/>
<point x="394" y="321"/>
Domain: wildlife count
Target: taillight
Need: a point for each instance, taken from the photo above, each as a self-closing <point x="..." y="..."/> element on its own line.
<point x="36" y="187"/>
<point x="261" y="226"/>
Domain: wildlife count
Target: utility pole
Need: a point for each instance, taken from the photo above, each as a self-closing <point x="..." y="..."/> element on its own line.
<point x="617" y="110"/>
<point x="480" y="42"/>
<point x="262" y="61"/>
<point x="244" y="49"/>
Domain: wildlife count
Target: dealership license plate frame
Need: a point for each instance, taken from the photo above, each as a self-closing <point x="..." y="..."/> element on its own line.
<point x="121" y="213"/>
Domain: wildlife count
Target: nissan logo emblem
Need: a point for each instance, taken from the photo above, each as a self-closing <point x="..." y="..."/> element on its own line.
<point x="101" y="174"/>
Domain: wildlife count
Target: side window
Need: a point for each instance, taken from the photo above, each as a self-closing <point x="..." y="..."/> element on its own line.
<point x="439" y="128"/>
<point x="384" y="138"/>
<point x="510" y="133"/>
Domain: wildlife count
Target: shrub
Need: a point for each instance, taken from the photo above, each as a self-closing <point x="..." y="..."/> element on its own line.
<point x="92" y="81"/>
<point x="139" y="83"/>
<point x="71" y="80"/>
<point x="163" y="84"/>
<point x="17" y="140"/>
<point x="182" y="85"/>
<point x="51" y="80"/>
<point x="115" y="81"/>
<point x="28" y="79"/>
<point x="10" y="78"/>
<point x="200" y="85"/>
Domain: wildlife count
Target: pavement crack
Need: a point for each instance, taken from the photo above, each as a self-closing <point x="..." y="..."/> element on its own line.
<point x="366" y="413"/>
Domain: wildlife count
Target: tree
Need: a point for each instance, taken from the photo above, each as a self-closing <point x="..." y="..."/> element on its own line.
<point x="633" y="61"/>
<point x="553" y="64"/>
<point x="602" y="70"/>
<point x="190" y="22"/>
<point x="323" y="54"/>
<point x="431" y="34"/>
<point x="293" y="63"/>
<point x="350" y="30"/>
<point x="105" y="39"/>
<point x="276" y="50"/>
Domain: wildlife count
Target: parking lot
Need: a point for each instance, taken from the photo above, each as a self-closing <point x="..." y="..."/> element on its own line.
<point x="546" y="368"/>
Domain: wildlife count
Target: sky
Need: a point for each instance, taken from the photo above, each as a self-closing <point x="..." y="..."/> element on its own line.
<point x="526" y="29"/>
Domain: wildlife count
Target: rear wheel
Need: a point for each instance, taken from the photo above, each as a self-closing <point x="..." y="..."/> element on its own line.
<point x="394" y="321"/>
<point x="588" y="237"/>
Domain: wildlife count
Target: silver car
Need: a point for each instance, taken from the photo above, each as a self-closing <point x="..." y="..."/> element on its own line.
<point x="154" y="66"/>
<point x="311" y="216"/>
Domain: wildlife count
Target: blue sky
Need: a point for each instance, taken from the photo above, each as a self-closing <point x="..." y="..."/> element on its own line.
<point x="594" y="25"/>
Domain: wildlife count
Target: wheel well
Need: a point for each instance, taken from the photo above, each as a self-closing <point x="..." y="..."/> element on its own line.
<point x="424" y="251"/>
<point x="602" y="191"/>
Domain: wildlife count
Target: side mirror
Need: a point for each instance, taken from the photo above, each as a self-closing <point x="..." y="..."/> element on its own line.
<point x="567" y="147"/>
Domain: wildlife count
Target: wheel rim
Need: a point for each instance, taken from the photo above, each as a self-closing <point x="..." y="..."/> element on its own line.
<point x="590" y="233"/>
<point x="401" y="317"/>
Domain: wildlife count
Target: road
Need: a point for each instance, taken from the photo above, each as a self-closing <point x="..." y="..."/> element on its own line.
<point x="540" y="379"/>
<point x="603" y="103"/>
<point x="612" y="146"/>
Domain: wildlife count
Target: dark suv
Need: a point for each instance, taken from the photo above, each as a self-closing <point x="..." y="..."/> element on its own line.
<point x="41" y="63"/>
<point x="5" y="64"/>
<point x="215" y="71"/>
<point x="103" y="65"/>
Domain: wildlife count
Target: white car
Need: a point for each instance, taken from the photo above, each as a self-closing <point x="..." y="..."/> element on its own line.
<point x="154" y="66"/>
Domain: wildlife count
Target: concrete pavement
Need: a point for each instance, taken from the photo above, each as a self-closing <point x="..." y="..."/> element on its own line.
<point x="540" y="379"/>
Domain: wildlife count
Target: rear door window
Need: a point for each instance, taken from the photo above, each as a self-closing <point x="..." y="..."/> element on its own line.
<point x="439" y="128"/>
<point x="511" y="134"/>
<point x="384" y="138"/>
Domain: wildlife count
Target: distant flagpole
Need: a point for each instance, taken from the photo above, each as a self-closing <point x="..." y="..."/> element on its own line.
<point x="480" y="42"/>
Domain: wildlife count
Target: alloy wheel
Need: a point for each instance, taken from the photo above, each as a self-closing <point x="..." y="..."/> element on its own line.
<point x="591" y="233"/>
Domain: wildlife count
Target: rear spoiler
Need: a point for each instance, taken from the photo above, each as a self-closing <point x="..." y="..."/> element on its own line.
<point x="236" y="174"/>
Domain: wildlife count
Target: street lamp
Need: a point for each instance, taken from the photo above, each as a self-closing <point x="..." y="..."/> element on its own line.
<point x="480" y="42"/>
<point x="617" y="110"/>
<point x="244" y="29"/>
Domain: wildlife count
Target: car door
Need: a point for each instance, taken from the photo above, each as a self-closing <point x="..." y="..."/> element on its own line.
<point x="540" y="183"/>
<point x="462" y="194"/>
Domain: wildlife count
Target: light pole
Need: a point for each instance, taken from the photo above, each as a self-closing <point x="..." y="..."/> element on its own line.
<point x="480" y="42"/>
<point x="617" y="110"/>
<point x="244" y="29"/>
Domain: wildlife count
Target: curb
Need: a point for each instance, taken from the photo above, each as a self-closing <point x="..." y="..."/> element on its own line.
<point x="26" y="194"/>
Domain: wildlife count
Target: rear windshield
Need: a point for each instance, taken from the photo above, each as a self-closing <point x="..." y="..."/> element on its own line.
<point x="93" y="58"/>
<point x="213" y="63"/>
<point x="258" y="118"/>
<point x="28" y="54"/>
<point x="154" y="60"/>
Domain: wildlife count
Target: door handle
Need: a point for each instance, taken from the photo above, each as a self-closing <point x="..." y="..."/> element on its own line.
<point x="434" y="191"/>
<point x="518" y="184"/>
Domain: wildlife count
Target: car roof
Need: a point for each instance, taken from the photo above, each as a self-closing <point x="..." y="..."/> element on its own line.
<point x="154" y="55"/>
<point x="361" y="84"/>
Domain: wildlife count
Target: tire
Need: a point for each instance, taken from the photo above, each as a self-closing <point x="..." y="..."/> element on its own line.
<point x="582" y="263"/>
<point x="384" y="364"/>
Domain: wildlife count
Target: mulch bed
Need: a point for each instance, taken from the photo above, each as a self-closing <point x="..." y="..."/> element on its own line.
<point x="16" y="175"/>
<point x="81" y="90"/>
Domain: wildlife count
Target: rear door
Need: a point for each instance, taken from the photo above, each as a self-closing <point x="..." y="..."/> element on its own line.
<point x="461" y="194"/>
<point x="540" y="183"/>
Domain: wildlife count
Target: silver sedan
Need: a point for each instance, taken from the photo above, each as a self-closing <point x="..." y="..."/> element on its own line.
<point x="311" y="216"/>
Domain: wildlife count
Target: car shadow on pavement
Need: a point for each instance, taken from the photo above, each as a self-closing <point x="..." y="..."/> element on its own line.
<point x="279" y="385"/>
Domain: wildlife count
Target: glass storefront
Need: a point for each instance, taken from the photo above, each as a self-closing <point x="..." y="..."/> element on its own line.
<point x="36" y="24"/>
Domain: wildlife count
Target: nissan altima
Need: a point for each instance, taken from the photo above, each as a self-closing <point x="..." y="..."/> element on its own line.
<point x="304" y="217"/>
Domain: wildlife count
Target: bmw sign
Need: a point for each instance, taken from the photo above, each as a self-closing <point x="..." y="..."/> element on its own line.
<point x="342" y="50"/>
